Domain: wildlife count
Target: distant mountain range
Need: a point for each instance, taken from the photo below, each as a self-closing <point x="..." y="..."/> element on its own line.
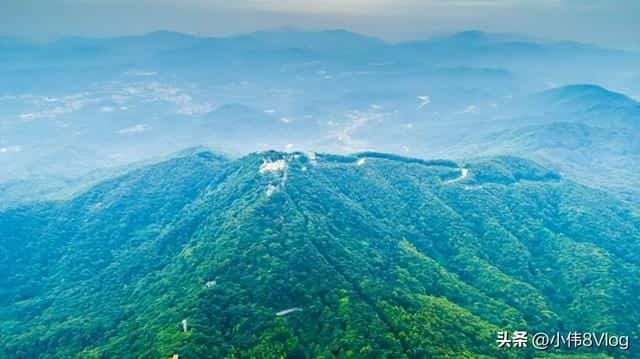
<point x="74" y="105"/>
<point x="164" y="50"/>
<point x="305" y="255"/>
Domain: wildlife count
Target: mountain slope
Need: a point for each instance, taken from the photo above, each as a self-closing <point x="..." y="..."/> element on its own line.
<point x="306" y="255"/>
<point x="582" y="97"/>
<point x="600" y="157"/>
<point x="586" y="132"/>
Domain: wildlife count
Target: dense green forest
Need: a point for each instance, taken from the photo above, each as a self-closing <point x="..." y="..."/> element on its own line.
<point x="301" y="255"/>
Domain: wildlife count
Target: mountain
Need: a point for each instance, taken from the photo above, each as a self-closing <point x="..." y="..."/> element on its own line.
<point x="588" y="104"/>
<point x="38" y="188"/>
<point x="326" y="41"/>
<point x="586" y="132"/>
<point x="479" y="40"/>
<point x="113" y="101"/>
<point x="485" y="45"/>
<point x="316" y="255"/>
<point x="582" y="97"/>
<point x="600" y="157"/>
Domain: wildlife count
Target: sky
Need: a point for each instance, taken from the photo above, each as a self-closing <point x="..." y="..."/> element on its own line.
<point x="609" y="23"/>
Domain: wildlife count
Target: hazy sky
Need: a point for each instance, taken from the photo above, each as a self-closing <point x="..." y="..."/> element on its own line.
<point x="612" y="23"/>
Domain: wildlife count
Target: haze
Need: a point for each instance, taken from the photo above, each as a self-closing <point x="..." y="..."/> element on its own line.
<point x="606" y="23"/>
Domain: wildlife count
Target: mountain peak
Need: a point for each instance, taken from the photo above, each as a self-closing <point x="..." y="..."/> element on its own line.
<point x="585" y="96"/>
<point x="478" y="37"/>
<point x="470" y="35"/>
<point x="200" y="151"/>
<point x="334" y="39"/>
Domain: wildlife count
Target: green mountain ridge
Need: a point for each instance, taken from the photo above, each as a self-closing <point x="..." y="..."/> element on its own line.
<point x="585" y="132"/>
<point x="314" y="255"/>
<point x="599" y="157"/>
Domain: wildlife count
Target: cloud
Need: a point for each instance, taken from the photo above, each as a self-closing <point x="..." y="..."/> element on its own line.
<point x="424" y="101"/>
<point x="191" y="109"/>
<point x="141" y="73"/>
<point x="139" y="128"/>
<point x="374" y="7"/>
<point x="345" y="133"/>
<point x="10" y="149"/>
<point x="157" y="91"/>
<point x="470" y="109"/>
<point x="109" y="96"/>
<point x="55" y="107"/>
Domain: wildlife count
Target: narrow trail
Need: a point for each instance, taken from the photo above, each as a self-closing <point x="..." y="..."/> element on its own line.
<point x="464" y="173"/>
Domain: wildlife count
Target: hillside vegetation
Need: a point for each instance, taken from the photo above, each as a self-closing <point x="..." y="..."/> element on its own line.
<point x="303" y="255"/>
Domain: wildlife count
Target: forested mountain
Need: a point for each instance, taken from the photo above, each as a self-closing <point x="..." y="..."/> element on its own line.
<point x="590" y="134"/>
<point x="307" y="255"/>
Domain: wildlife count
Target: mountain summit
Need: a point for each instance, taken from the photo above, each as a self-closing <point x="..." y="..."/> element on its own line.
<point x="584" y="96"/>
